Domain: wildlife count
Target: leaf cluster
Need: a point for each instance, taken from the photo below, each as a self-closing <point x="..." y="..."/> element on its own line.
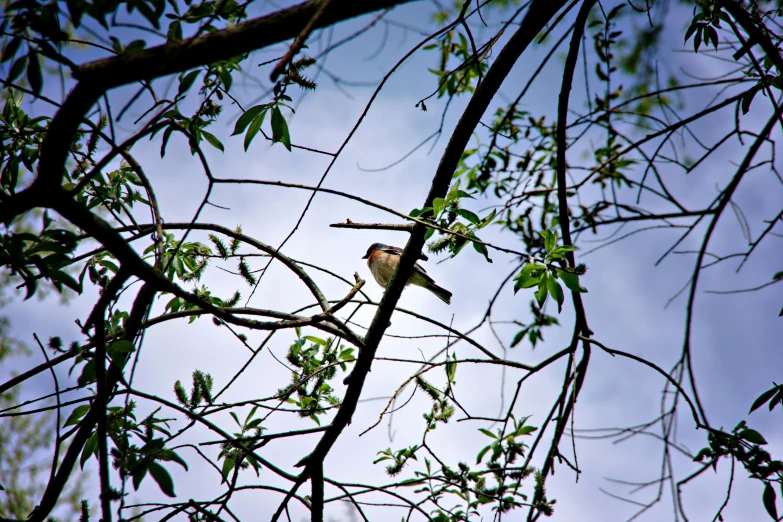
<point x="137" y="451"/>
<point x="447" y="213"/>
<point x="316" y="361"/>
<point x="544" y="276"/>
<point x="237" y="454"/>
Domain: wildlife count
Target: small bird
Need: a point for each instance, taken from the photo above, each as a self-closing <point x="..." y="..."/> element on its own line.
<point x="382" y="260"/>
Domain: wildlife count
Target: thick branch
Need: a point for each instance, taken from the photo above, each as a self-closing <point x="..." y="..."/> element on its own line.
<point x="174" y="57"/>
<point x="539" y="13"/>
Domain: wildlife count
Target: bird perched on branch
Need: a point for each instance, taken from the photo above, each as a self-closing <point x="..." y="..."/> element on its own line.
<point x="383" y="259"/>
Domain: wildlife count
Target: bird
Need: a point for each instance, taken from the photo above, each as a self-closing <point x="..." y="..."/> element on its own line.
<point x="382" y="260"/>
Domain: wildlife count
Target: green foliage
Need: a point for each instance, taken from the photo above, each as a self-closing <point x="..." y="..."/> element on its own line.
<point x="41" y="256"/>
<point x="462" y="224"/>
<point x="442" y="410"/>
<point x="459" y="67"/>
<point x="186" y="261"/>
<point x="20" y="139"/>
<point x="253" y="118"/>
<point x="315" y="361"/>
<point x="705" y="25"/>
<point x="540" y="501"/>
<point x="744" y="445"/>
<point x="773" y="396"/>
<point x="237" y="454"/>
<point x="505" y="448"/>
<point x="136" y="450"/>
<point x="534" y="330"/>
<point x="516" y="168"/>
<point x="545" y="275"/>
<point x="399" y="458"/>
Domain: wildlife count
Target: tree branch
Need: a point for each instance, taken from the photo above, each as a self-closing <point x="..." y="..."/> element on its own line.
<point x="539" y="13"/>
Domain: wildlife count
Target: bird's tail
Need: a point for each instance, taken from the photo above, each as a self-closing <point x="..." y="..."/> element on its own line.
<point x="442" y="294"/>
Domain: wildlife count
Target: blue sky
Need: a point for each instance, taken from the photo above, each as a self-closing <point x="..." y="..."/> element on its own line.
<point x="735" y="352"/>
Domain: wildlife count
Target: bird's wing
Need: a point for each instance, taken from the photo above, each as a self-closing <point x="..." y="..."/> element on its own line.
<point x="397" y="251"/>
<point x="420" y="269"/>
<point x="392" y="250"/>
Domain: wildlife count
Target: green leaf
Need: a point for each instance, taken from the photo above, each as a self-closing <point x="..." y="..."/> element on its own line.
<point x="525" y="430"/>
<point x="747" y="98"/>
<point x="17" y="68"/>
<point x="752" y="436"/>
<point x="556" y="291"/>
<point x="571" y="281"/>
<point x="470" y="216"/>
<point x="704" y="452"/>
<point x="763" y="398"/>
<point x="173" y="457"/>
<point x="225" y="78"/>
<point x="529" y="276"/>
<point x="76" y="415"/>
<point x="451" y="368"/>
<point x="481" y="249"/>
<point x="90" y="447"/>
<point x="248" y="116"/>
<point x="250" y="414"/>
<point x="560" y="251"/>
<point x="519" y="337"/>
<point x="165" y="140"/>
<point x="138" y="476"/>
<point x="122" y="346"/>
<point x="108" y="264"/>
<point x="163" y="479"/>
<point x="88" y="374"/>
<point x="697" y="40"/>
<point x="186" y="81"/>
<point x="550" y="240"/>
<point x="254" y="462"/>
<point x="317" y="340"/>
<point x="10" y="49"/>
<point x="253" y="129"/>
<point x="482" y="453"/>
<point x="228" y="465"/>
<point x="34" y="72"/>
<point x="488" y="433"/>
<point x="541" y="292"/>
<point x="280" y="129"/>
<point x="134" y="47"/>
<point x="175" y="31"/>
<point x="438" y="205"/>
<point x="768" y="497"/>
<point x="213" y="140"/>
<point x="690" y="31"/>
<point x="487" y="220"/>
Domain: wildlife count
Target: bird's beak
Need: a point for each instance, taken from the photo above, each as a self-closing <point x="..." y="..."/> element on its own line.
<point x="366" y="256"/>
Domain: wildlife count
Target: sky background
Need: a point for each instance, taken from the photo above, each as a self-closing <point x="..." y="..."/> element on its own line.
<point x="736" y="348"/>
